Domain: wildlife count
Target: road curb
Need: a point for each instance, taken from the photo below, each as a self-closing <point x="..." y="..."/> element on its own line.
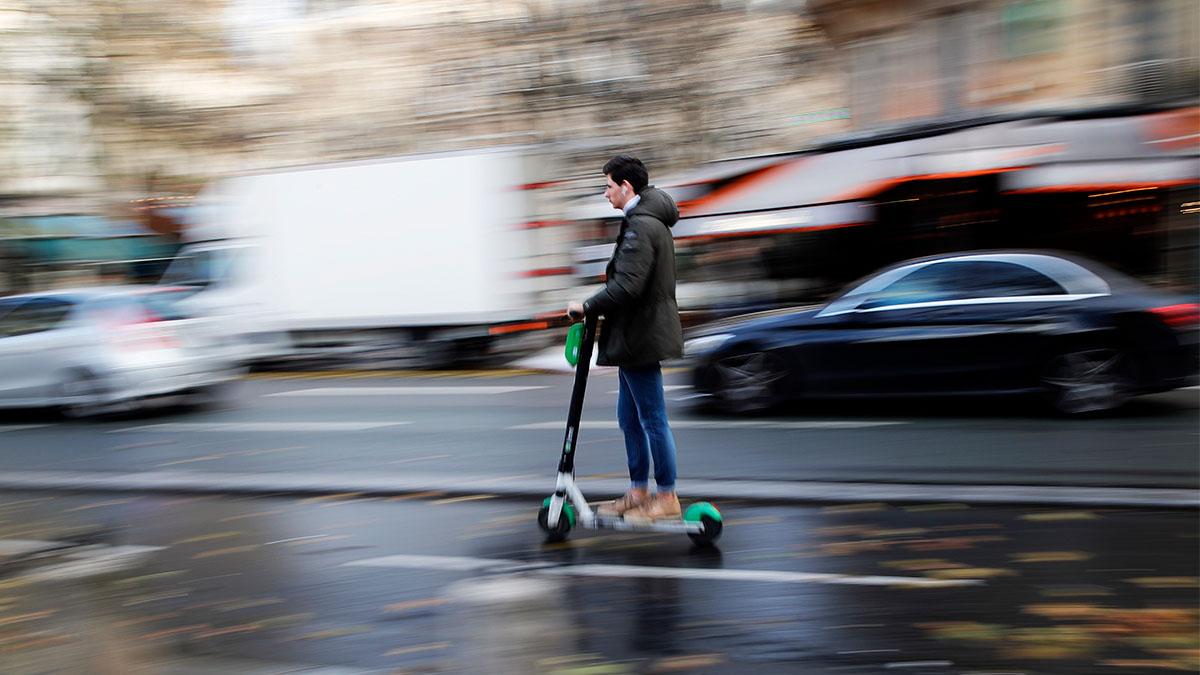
<point x="376" y="485"/>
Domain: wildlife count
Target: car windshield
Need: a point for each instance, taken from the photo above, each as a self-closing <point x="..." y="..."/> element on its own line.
<point x="33" y="316"/>
<point x="199" y="267"/>
<point x="858" y="290"/>
<point x="165" y="304"/>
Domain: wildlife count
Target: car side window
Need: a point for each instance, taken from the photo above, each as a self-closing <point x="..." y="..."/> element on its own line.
<point x="933" y="283"/>
<point x="994" y="279"/>
<point x="965" y="280"/>
<point x="34" y="316"/>
<point x="7" y="307"/>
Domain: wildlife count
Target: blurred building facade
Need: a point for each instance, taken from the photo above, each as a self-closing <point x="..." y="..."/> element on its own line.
<point x="146" y="93"/>
<point x="106" y="103"/>
<point x="918" y="59"/>
<point x="127" y="107"/>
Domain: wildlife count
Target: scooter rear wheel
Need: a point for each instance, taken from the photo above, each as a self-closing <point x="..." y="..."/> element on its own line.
<point x="559" y="532"/>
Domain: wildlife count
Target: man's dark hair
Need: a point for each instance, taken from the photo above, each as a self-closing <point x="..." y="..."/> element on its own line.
<point x="628" y="168"/>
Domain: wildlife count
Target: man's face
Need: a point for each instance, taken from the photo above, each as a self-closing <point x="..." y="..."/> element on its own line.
<point x="617" y="194"/>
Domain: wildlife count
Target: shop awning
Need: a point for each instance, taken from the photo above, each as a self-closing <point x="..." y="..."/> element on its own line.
<point x="808" y="218"/>
<point x="1038" y="153"/>
<point x="1103" y="176"/>
<point x="77" y="238"/>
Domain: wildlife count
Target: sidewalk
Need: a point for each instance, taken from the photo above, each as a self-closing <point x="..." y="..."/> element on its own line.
<point x="536" y="487"/>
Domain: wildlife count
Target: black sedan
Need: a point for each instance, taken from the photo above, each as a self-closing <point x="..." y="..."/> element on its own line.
<point x="992" y="322"/>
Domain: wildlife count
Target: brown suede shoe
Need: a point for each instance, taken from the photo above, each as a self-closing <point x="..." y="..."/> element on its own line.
<point x="626" y="502"/>
<point x="663" y="506"/>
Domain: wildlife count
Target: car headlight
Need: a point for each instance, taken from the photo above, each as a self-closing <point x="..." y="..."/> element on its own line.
<point x="704" y="344"/>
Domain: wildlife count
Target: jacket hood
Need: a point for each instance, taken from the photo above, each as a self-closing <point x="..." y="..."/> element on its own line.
<point x="657" y="204"/>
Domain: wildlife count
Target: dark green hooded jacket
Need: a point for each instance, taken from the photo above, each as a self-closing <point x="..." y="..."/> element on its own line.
<point x="641" y="318"/>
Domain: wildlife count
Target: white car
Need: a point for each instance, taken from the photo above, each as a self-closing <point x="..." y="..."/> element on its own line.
<point x="89" y="350"/>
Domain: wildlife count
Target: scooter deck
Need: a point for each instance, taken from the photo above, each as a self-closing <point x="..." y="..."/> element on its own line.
<point x="674" y="525"/>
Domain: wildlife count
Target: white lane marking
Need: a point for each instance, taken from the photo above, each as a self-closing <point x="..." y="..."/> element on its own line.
<point x="666" y="387"/>
<point x="291" y="539"/>
<point x="481" y="390"/>
<point x="261" y="426"/>
<point x="20" y="427"/>
<point x="434" y="562"/>
<point x="91" y="563"/>
<point x="70" y="561"/>
<point x="918" y="664"/>
<point x="725" y="424"/>
<point x="497" y="565"/>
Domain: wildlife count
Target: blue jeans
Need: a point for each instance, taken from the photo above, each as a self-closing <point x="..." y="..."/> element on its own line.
<point x="642" y="415"/>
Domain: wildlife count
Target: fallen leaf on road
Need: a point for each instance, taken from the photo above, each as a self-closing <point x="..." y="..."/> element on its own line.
<point x="1060" y="515"/>
<point x="230" y="630"/>
<point x="1064" y="610"/>
<point x="239" y="605"/>
<point x="950" y="543"/>
<point x="416" y="649"/>
<point x="333" y="633"/>
<point x="1075" y="591"/>
<point x="207" y="537"/>
<point x="29" y="616"/>
<point x="415" y="604"/>
<point x="1165" y="582"/>
<point x="256" y="514"/>
<point x="159" y="576"/>
<point x="225" y="551"/>
<point x="971" y="573"/>
<point x="99" y="505"/>
<point x="677" y="664"/>
<point x="467" y="498"/>
<point x="923" y="564"/>
<point x="1050" y="556"/>
<point x="965" y="630"/>
<point x="414" y="495"/>
<point x="1141" y="664"/>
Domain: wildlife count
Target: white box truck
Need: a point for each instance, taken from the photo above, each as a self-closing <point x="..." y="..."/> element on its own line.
<point x="442" y="257"/>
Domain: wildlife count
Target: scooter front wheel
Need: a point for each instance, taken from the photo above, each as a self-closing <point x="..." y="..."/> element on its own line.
<point x="710" y="520"/>
<point x="566" y="520"/>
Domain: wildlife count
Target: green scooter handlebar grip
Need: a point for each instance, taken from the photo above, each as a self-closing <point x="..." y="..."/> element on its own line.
<point x="574" y="340"/>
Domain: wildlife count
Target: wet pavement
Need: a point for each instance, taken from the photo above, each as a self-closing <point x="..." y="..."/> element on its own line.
<point x="364" y="584"/>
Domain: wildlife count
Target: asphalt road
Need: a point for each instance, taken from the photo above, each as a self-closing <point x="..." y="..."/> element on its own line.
<point x="375" y="586"/>
<point x="511" y="425"/>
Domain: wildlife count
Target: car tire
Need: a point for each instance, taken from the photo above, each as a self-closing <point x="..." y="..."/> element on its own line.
<point x="212" y="397"/>
<point x="1087" y="380"/>
<point x="747" y="382"/>
<point x="80" y="393"/>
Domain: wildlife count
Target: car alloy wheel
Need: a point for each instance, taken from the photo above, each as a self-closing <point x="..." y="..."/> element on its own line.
<point x="747" y="382"/>
<point x="1087" y="381"/>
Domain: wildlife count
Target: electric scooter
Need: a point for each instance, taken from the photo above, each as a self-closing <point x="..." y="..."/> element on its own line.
<point x="567" y="508"/>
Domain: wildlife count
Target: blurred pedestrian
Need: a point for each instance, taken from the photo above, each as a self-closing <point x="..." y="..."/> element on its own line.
<point x="641" y="329"/>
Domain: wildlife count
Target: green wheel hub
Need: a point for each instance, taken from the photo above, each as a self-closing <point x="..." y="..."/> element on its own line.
<point x="710" y="523"/>
<point x="699" y="509"/>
